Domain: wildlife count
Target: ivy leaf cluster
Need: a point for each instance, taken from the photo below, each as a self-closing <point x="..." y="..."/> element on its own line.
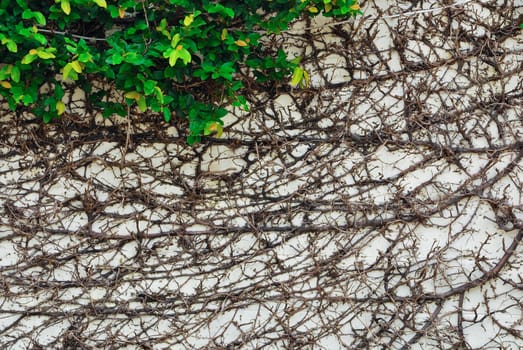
<point x="178" y="58"/>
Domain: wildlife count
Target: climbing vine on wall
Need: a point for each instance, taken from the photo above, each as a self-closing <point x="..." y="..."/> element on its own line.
<point x="177" y="58"/>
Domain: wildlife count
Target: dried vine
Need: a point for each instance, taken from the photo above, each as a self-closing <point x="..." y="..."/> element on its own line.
<point x="379" y="209"/>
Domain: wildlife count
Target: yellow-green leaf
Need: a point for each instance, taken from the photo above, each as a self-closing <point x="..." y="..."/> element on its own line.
<point x="313" y="9"/>
<point x="142" y="104"/>
<point x="305" y="82"/>
<point x="173" y="57"/>
<point x="133" y="95"/>
<point x="241" y="43"/>
<point x="67" y="70"/>
<point x="213" y="127"/>
<point x="297" y="76"/>
<point x="175" y="40"/>
<point x="224" y="34"/>
<point x="29" y="58"/>
<point x="5" y="84"/>
<point x="60" y="107"/>
<point x="159" y="94"/>
<point x="45" y="55"/>
<point x="77" y="66"/>
<point x="66" y="6"/>
<point x="101" y="3"/>
<point x="188" y="20"/>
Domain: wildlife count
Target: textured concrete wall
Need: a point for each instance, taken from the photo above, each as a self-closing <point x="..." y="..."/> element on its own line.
<point x="380" y="209"/>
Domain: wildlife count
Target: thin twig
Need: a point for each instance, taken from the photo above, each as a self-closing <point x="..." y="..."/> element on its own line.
<point x="90" y="38"/>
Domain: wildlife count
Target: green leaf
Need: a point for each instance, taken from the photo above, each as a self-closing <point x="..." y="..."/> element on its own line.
<point x="11" y="45"/>
<point x="71" y="49"/>
<point x="166" y="114"/>
<point x="22" y="3"/>
<point x="15" y="74"/>
<point x="136" y="59"/>
<point x="192" y="139"/>
<point x="38" y="16"/>
<point x="40" y="19"/>
<point x="27" y="14"/>
<point x="108" y="72"/>
<point x="12" y="103"/>
<point x="221" y="112"/>
<point x="184" y="55"/>
<point x="155" y="106"/>
<point x="148" y="86"/>
<point x="113" y="11"/>
<point x="115" y="59"/>
<point x="220" y="9"/>
<point x="40" y="38"/>
<point x="175" y="40"/>
<point x="5" y="72"/>
<point x="163" y="24"/>
<point x="225" y="71"/>
<point x="110" y="108"/>
<point x="47" y="117"/>
<point x="85" y="57"/>
<point x="241" y="102"/>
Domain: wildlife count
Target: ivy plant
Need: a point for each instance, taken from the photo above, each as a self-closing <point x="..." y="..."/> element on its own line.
<point x="177" y="58"/>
